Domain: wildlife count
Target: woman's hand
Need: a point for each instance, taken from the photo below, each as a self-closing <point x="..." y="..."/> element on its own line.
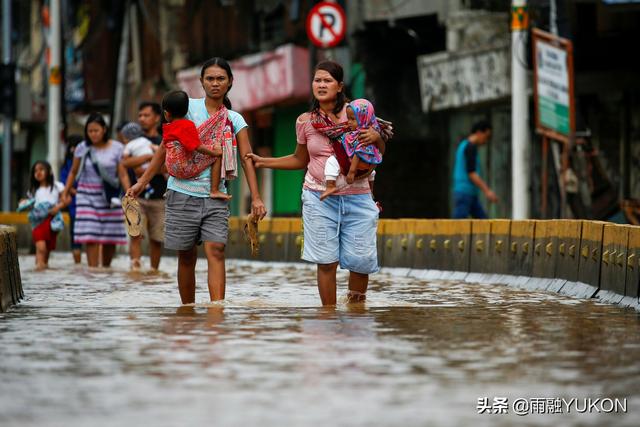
<point x="258" y="161"/>
<point x="368" y="136"/>
<point x="135" y="189"/>
<point x="217" y="149"/>
<point x="65" y="196"/>
<point x="55" y="209"/>
<point x="258" y="210"/>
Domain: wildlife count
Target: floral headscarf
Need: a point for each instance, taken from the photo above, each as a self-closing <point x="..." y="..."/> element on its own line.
<point x="365" y="118"/>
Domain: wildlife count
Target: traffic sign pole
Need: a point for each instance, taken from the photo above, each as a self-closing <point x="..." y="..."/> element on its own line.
<point x="520" y="146"/>
<point x="6" y="123"/>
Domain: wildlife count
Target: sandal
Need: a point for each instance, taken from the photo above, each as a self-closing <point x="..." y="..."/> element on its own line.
<point x="132" y="215"/>
<point x="251" y="234"/>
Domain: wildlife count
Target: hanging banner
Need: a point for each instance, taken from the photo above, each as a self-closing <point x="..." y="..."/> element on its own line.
<point x="553" y="85"/>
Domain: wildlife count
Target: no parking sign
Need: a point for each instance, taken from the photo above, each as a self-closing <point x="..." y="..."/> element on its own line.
<point x="326" y="24"/>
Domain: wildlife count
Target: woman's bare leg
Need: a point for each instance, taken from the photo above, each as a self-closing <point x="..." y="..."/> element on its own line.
<point x="93" y="253"/>
<point x="327" y="283"/>
<point x="187" y="275"/>
<point x="216" y="275"/>
<point x="358" y="284"/>
<point x="77" y="256"/>
<point x="107" y="254"/>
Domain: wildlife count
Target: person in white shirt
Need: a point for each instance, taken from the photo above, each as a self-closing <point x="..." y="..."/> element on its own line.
<point x="45" y="201"/>
<point x="136" y="144"/>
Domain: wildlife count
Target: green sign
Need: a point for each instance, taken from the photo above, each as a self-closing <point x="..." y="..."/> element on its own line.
<point x="553" y="87"/>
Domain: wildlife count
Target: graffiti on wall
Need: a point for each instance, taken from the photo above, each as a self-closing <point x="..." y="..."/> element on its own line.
<point x="450" y="80"/>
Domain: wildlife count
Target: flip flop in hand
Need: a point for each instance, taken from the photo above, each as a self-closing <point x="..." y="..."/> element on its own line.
<point x="132" y="215"/>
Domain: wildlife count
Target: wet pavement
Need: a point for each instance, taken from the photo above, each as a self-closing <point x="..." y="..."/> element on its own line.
<point x="113" y="348"/>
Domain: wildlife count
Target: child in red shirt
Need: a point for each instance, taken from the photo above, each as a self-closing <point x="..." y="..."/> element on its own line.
<point x="187" y="156"/>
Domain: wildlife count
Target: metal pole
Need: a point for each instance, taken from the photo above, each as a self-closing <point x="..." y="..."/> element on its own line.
<point x="545" y="176"/>
<point x="121" y="84"/>
<point x="520" y="145"/>
<point x="55" y="90"/>
<point x="553" y="17"/>
<point x="6" y="121"/>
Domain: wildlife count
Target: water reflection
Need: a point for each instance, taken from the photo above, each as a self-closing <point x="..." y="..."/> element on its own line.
<point x="113" y="348"/>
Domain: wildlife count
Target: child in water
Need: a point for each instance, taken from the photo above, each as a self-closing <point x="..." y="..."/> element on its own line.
<point x="364" y="158"/>
<point x="44" y="201"/>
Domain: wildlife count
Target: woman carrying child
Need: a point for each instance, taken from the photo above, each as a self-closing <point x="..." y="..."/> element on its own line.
<point x="96" y="167"/>
<point x="44" y="199"/>
<point x="192" y="215"/>
<point x="342" y="228"/>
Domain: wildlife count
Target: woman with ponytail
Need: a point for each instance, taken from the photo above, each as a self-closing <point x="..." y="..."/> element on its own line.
<point x="191" y="216"/>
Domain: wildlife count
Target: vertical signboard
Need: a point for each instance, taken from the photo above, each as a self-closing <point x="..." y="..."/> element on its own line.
<point x="553" y="85"/>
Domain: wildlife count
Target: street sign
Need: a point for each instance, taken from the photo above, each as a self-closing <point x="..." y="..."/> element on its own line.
<point x="553" y="85"/>
<point x="326" y="24"/>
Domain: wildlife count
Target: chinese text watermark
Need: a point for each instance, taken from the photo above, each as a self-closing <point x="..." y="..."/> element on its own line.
<point x="550" y="405"/>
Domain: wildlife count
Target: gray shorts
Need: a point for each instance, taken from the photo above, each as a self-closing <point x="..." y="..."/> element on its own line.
<point x="192" y="220"/>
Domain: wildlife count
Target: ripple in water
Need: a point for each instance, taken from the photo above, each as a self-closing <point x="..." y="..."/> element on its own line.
<point x="98" y="347"/>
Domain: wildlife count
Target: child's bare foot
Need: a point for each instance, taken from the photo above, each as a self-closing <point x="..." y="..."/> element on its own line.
<point x="329" y="191"/>
<point x="219" y="195"/>
<point x="351" y="177"/>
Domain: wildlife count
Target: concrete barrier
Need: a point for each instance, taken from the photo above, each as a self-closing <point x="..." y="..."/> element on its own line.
<point x="10" y="282"/>
<point x="632" y="281"/>
<point x="480" y="252"/>
<point x="398" y="239"/>
<point x="568" y="257"/>
<point x="577" y="258"/>
<point x="500" y="246"/>
<point x="424" y="252"/>
<point x="613" y="267"/>
<point x="521" y="248"/>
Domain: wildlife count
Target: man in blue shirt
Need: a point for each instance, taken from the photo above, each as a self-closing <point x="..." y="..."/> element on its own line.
<point x="466" y="175"/>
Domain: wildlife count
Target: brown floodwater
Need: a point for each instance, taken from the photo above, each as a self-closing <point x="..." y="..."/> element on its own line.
<point x="111" y="348"/>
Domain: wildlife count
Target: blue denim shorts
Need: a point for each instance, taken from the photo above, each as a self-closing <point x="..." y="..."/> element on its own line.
<point x="340" y="228"/>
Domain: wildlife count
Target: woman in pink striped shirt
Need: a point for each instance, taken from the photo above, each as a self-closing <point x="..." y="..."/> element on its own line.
<point x="340" y="230"/>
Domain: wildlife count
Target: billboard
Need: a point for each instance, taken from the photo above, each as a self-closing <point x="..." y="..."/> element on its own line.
<point x="553" y="85"/>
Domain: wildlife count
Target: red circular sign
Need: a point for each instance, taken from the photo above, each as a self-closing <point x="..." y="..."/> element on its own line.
<point x="326" y="24"/>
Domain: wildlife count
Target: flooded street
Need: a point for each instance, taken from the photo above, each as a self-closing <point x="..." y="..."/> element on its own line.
<point x="112" y="348"/>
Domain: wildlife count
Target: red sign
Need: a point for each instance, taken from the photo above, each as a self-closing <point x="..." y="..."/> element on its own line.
<point x="259" y="80"/>
<point x="326" y="24"/>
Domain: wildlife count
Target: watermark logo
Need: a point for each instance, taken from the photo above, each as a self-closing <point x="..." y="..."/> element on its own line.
<point x="499" y="405"/>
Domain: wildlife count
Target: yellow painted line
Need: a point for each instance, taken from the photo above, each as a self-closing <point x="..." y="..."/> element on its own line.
<point x="424" y="226"/>
<point x="500" y="226"/>
<point x="540" y="232"/>
<point x="280" y="225"/>
<point x="296" y="225"/>
<point x="19" y="218"/>
<point x="592" y="230"/>
<point x="523" y="228"/>
<point x="394" y="228"/>
<point x="634" y="236"/>
<point x="569" y="229"/>
<point x="453" y="227"/>
<point x="13" y="218"/>
<point x="615" y="234"/>
<point x="234" y="223"/>
<point x="480" y="226"/>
